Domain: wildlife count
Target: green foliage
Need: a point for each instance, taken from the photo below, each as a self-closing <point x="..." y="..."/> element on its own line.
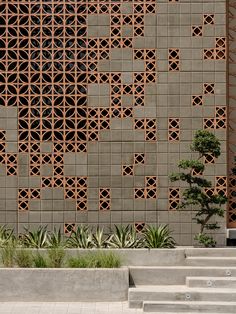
<point x="208" y="205"/>
<point x="205" y="142"/>
<point x="158" y="237"/>
<point x="81" y="238"/>
<point x="205" y="240"/>
<point x="40" y="261"/>
<point x="56" y="257"/>
<point x="124" y="237"/>
<point x="98" y="239"/>
<point x="23" y="258"/>
<point x="35" y="239"/>
<point x="106" y="260"/>
<point x="95" y="260"/>
<point x="77" y="262"/>
<point x="6" y="236"/>
<point x="55" y="239"/>
<point x="8" y="254"/>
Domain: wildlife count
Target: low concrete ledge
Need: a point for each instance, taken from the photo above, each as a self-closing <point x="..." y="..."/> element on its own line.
<point x="64" y="284"/>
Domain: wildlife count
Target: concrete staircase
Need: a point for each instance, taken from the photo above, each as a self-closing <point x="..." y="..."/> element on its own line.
<point x="204" y="283"/>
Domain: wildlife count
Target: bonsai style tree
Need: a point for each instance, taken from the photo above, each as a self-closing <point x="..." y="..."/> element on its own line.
<point x="208" y="205"/>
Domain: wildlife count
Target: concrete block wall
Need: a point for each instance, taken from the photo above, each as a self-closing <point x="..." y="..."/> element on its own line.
<point x="103" y="101"/>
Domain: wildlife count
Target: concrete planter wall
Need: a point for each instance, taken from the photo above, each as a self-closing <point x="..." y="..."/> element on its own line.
<point x="64" y="284"/>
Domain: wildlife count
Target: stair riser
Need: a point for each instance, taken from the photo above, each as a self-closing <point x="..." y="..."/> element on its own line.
<point x="136" y="298"/>
<point x="165" y="276"/>
<point x="187" y="308"/>
<point x="214" y="263"/>
<point x="211" y="252"/>
<point x="208" y="283"/>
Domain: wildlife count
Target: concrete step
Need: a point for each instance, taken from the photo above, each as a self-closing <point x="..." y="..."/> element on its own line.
<point x="214" y="252"/>
<point x="175" y="275"/>
<point x="211" y="261"/>
<point x="174" y="293"/>
<point x="189" y="307"/>
<point x="211" y="282"/>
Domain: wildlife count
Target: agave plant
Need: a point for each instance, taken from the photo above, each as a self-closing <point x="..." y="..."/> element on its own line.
<point x="158" y="237"/>
<point x="6" y="236"/>
<point x="81" y="238"/>
<point x="55" y="239"/>
<point x="124" y="237"/>
<point x="35" y="239"/>
<point x="98" y="239"/>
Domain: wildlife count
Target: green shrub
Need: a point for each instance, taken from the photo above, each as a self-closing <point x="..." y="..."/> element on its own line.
<point x="8" y="254"/>
<point x="77" y="262"/>
<point x="205" y="240"/>
<point x="98" y="239"/>
<point x="23" y="258"/>
<point x="81" y="238"/>
<point x="158" y="237"/>
<point x="105" y="260"/>
<point x="56" y="257"/>
<point x="35" y="239"/>
<point x="39" y="261"/>
<point x="207" y="206"/>
<point x="55" y="239"/>
<point x="6" y="236"/>
<point x="124" y="237"/>
<point x="95" y="260"/>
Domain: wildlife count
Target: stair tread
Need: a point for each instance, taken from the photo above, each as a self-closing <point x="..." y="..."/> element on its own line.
<point x="211" y="278"/>
<point x="182" y="267"/>
<point x="179" y="288"/>
<point x="223" y="258"/>
<point x="191" y="302"/>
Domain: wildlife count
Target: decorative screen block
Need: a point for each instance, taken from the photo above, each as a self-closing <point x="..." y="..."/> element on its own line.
<point x="150" y="190"/>
<point x="209" y="54"/>
<point x="209" y="123"/>
<point x="104" y="198"/>
<point x="218" y="52"/>
<point x="220" y="120"/>
<point x="209" y="192"/>
<point x="69" y="227"/>
<point x="2" y="142"/>
<point x="208" y="19"/>
<point x="174" y="129"/>
<point x="26" y="194"/>
<point x="221" y="181"/>
<point x="139" y="158"/>
<point x="11" y="162"/>
<point x="221" y="185"/>
<point x="139" y="193"/>
<point x="149" y="126"/>
<point x="128" y="170"/>
<point x="209" y="159"/>
<point x="174" y="198"/>
<point x="174" y="59"/>
<point x="209" y="88"/>
<point x="139" y="226"/>
<point x="34" y="194"/>
<point x="197" y="100"/>
<point x="197" y="31"/>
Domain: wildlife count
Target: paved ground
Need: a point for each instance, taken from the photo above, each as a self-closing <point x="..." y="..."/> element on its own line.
<point x="66" y="308"/>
